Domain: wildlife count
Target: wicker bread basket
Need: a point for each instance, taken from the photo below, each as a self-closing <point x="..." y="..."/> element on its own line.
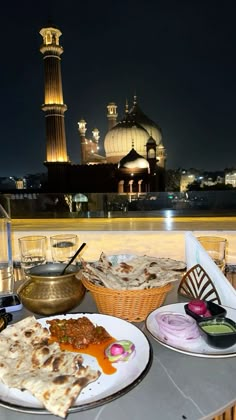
<point x="131" y="305"/>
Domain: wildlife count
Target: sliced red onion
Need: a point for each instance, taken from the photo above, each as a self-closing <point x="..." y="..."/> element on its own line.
<point x="177" y="328"/>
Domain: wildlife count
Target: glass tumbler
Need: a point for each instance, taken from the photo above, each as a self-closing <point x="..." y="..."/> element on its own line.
<point x="32" y="251"/>
<point x="216" y="248"/>
<point x="6" y="261"/>
<point x="63" y="247"/>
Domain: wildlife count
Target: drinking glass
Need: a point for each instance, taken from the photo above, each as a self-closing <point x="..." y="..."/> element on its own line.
<point x="216" y="248"/>
<point x="63" y="247"/>
<point x="6" y="262"/>
<point x="32" y="251"/>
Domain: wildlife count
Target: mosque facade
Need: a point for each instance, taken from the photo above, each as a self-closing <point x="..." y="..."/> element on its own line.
<point x="135" y="155"/>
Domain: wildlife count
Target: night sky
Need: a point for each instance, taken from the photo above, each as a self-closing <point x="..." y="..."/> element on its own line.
<point x="178" y="57"/>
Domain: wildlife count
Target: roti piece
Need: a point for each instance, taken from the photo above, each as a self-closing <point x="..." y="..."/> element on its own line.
<point x="168" y="263"/>
<point x="29" y="362"/>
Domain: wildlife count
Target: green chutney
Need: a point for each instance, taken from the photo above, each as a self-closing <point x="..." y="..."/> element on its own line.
<point x="218" y="328"/>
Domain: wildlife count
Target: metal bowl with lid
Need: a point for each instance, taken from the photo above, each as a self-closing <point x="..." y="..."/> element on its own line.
<point x="47" y="292"/>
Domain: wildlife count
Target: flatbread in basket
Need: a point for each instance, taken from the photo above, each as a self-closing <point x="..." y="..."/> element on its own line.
<point x="133" y="272"/>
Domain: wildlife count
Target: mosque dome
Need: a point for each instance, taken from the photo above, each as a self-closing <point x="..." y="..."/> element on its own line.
<point x="133" y="161"/>
<point x="150" y="126"/>
<point x="135" y="129"/>
<point x="122" y="136"/>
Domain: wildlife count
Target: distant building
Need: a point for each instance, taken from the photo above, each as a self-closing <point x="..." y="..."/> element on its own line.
<point x="20" y="184"/>
<point x="230" y="178"/>
<point x="7" y="183"/>
<point x="134" y="134"/>
<point x="28" y="182"/>
<point x="212" y="178"/>
<point x="188" y="177"/>
<point x="203" y="179"/>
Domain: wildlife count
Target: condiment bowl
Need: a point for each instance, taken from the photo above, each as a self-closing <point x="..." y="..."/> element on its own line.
<point x="219" y="332"/>
<point x="215" y="310"/>
<point x="47" y="292"/>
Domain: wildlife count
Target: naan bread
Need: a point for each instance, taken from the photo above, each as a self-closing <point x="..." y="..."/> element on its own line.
<point x="29" y="362"/>
<point x="142" y="272"/>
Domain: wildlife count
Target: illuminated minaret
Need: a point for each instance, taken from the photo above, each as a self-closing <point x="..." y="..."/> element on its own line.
<point x="96" y="135"/>
<point x="56" y="151"/>
<point x="111" y="115"/>
<point x="83" y="142"/>
<point x="89" y="148"/>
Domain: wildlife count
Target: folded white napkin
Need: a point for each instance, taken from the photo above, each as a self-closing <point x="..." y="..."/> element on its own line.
<point x="196" y="254"/>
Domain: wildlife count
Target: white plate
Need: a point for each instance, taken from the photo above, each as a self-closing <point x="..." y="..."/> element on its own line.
<point x="108" y="387"/>
<point x="200" y="348"/>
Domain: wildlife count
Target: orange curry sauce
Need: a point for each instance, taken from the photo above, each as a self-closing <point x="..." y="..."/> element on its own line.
<point x="95" y="350"/>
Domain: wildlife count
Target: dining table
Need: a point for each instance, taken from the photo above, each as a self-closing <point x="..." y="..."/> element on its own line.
<point x="176" y="386"/>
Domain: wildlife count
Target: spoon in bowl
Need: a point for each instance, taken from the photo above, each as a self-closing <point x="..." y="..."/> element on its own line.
<point x="73" y="258"/>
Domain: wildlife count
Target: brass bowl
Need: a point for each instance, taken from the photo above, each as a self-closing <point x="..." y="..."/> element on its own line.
<point x="46" y="292"/>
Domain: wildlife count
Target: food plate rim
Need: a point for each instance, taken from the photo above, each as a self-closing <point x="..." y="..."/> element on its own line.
<point x="97" y="403"/>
